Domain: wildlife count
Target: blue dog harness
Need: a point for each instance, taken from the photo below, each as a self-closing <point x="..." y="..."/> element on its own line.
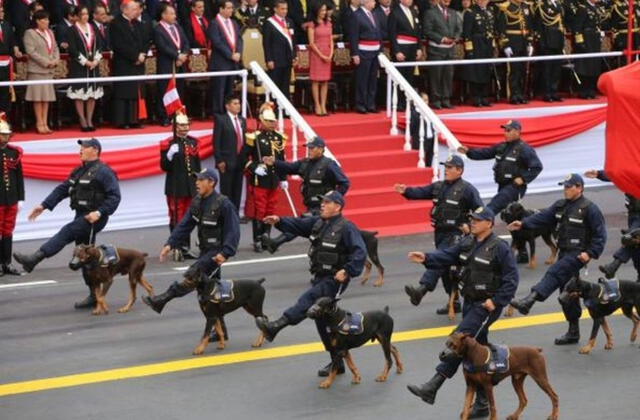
<point x="223" y="291"/>
<point x="352" y="324"/>
<point x="609" y="293"/>
<point x="497" y="361"/>
<point x="108" y="255"/>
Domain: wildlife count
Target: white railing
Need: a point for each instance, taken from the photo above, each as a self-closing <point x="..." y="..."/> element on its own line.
<point x="242" y="73"/>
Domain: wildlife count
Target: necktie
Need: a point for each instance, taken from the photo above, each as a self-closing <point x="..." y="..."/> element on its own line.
<point x="446" y="15"/>
<point x="370" y="16"/>
<point x="239" y="142"/>
<point x="173" y="31"/>
<point x="1" y="34"/>
<point x="409" y="16"/>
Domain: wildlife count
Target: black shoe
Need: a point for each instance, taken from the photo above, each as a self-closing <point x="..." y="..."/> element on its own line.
<point x="157" y="302"/>
<point x="523" y="257"/>
<point x="324" y="372"/>
<point x="87" y="303"/>
<point x="477" y="104"/>
<point x="523" y="101"/>
<point x="548" y="98"/>
<point x="361" y="110"/>
<point x="91" y="128"/>
<point x="165" y="122"/>
<point x="609" y="270"/>
<point x="373" y="110"/>
<point x="480" y="408"/>
<point x="272" y="244"/>
<point x="85" y="129"/>
<point x="10" y="270"/>
<point x="135" y="125"/>
<point x="557" y="98"/>
<point x="429" y="390"/>
<point x="187" y="254"/>
<point x="572" y="336"/>
<point x="444" y="310"/>
<point x="29" y="262"/>
<point x="257" y="247"/>
<point x="514" y="101"/>
<point x="415" y="293"/>
<point x="486" y="103"/>
<point x="123" y="126"/>
<point x="271" y="329"/>
<point x="524" y="305"/>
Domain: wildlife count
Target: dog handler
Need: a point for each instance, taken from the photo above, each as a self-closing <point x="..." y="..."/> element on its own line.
<point x="94" y="194"/>
<point x="489" y="281"/>
<point x="337" y="254"/>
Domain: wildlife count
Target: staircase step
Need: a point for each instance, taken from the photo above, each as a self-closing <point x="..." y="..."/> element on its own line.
<point x="362" y="161"/>
<point x="409" y="175"/>
<point x="365" y="143"/>
<point x="359" y="198"/>
<point x="375" y="126"/>
<point x="406" y="213"/>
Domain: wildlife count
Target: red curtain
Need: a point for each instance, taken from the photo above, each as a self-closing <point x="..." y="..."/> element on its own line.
<point x="622" y="163"/>
<point x="128" y="164"/>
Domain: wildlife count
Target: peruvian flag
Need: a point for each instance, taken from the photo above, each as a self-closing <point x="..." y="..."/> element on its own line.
<point x="171" y="98"/>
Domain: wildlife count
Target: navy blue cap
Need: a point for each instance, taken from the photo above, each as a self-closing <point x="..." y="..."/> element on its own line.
<point x="334" y="196"/>
<point x="92" y="142"/>
<point x="316" y="142"/>
<point x="207" y="173"/>
<point x="453" y="160"/>
<point x="512" y="125"/>
<point x="483" y="213"/>
<point x="571" y="180"/>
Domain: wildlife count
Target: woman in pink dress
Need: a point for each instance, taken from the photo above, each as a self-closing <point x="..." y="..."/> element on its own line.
<point x="320" y="33"/>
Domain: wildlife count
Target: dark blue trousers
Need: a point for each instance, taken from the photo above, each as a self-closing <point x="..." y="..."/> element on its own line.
<point x="443" y="239"/>
<point x="507" y="194"/>
<point x="77" y="231"/>
<point x="624" y="253"/>
<point x="567" y="266"/>
<point x="367" y="82"/>
<point x="204" y="264"/>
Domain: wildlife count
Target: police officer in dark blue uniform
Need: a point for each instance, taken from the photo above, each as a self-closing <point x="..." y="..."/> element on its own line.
<point x="581" y="237"/>
<point x="94" y="194"/>
<point x="489" y="280"/>
<point x="624" y="253"/>
<point x="218" y="225"/>
<point x="319" y="174"/>
<point x="453" y="200"/>
<point x="337" y="254"/>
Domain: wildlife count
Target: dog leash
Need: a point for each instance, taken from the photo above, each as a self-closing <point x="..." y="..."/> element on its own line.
<point x="91" y="236"/>
<point x="484" y="323"/>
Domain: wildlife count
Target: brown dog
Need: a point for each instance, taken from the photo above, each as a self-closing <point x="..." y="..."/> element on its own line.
<point x="523" y="361"/>
<point x="101" y="272"/>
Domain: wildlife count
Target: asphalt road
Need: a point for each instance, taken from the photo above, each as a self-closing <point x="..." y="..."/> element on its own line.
<point x="43" y="337"/>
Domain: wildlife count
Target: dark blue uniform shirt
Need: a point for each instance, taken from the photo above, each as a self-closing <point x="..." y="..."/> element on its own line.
<point x="334" y="174"/>
<point x="528" y="157"/>
<point x="470" y="198"/>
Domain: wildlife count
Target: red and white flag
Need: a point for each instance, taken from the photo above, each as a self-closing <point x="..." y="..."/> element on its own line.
<point x="171" y="98"/>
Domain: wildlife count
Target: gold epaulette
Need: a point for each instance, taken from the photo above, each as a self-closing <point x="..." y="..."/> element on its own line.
<point x="284" y="139"/>
<point x="251" y="138"/>
<point x="503" y="6"/>
<point x="468" y="45"/>
<point x="579" y="38"/>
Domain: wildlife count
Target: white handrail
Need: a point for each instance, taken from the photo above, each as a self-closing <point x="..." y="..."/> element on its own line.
<point x="472" y="61"/>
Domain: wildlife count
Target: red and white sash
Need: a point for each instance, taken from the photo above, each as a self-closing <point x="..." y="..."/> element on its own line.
<point x="89" y="41"/>
<point x="48" y="39"/>
<point x="282" y="28"/>
<point x="230" y="35"/>
<point x="175" y="39"/>
<point x="407" y="40"/>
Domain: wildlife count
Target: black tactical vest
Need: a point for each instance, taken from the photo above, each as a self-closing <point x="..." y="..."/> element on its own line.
<point x="508" y="163"/>
<point x="446" y="212"/>
<point x="85" y="192"/>
<point x="314" y="182"/>
<point x="327" y="254"/>
<point x="210" y="229"/>
<point x="573" y="234"/>
<point x="632" y="203"/>
<point x="481" y="273"/>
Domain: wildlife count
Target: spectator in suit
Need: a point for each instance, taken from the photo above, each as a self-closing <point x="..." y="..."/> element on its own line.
<point x="297" y="12"/>
<point x="320" y="34"/>
<point x="278" y="41"/>
<point x="228" y="141"/>
<point x="172" y="48"/>
<point x="405" y="31"/>
<point x="147" y="24"/>
<point x="224" y="34"/>
<point x="65" y="26"/>
<point x="9" y="50"/>
<point x="109" y="6"/>
<point x="366" y="43"/>
<point x="345" y="15"/>
<point x="20" y="15"/>
<point x="382" y="12"/>
<point x="101" y="20"/>
<point x="197" y="26"/>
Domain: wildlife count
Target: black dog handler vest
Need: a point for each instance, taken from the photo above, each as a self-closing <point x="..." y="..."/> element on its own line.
<point x="209" y="227"/>
<point x="573" y="234"/>
<point x="86" y="193"/>
<point x="446" y="213"/>
<point x="481" y="274"/>
<point x="327" y="254"/>
<point x="314" y="182"/>
<point x="508" y="163"/>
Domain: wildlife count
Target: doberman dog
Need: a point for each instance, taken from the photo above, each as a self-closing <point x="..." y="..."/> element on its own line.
<point x="349" y="331"/>
<point x="520" y="238"/>
<point x="101" y="268"/>
<point x="602" y="299"/>
<point x="217" y="299"/>
<point x="371" y="242"/>
<point x="522" y="361"/>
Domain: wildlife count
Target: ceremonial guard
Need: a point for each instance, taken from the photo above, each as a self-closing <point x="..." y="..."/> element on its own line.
<point x="251" y="15"/>
<point x="11" y="194"/>
<point x="479" y="42"/>
<point x="588" y="36"/>
<point x="619" y="25"/>
<point x="550" y="27"/>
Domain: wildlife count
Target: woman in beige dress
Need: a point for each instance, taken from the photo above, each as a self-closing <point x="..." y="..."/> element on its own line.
<point x="42" y="49"/>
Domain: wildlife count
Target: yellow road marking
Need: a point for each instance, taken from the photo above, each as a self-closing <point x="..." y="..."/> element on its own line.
<point x="246" y="356"/>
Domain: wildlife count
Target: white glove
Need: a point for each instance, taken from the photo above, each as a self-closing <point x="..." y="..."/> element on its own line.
<point x="508" y="52"/>
<point x="284" y="185"/>
<point x="20" y="204"/>
<point x="529" y="50"/>
<point x="172" y="151"/>
<point x="261" y="170"/>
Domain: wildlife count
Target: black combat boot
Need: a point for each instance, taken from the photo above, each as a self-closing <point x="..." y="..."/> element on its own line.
<point x="523" y="256"/>
<point x="429" y="390"/>
<point x="157" y="302"/>
<point x="272" y="244"/>
<point x="480" y="408"/>
<point x="444" y="310"/>
<point x="572" y="336"/>
<point x="416" y="293"/>
<point x="5" y="252"/>
<point x="88" y="302"/>
<point x="524" y="305"/>
<point x="610" y="269"/>
<point x="257" y="235"/>
<point x="29" y="262"/>
<point x="213" y="336"/>
<point x="324" y="372"/>
<point x="271" y="329"/>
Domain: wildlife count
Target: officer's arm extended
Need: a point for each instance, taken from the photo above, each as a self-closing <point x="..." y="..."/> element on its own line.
<point x="598" y="231"/>
<point x="58" y="194"/>
<point x="510" y="278"/>
<point x="543" y="218"/>
<point x="602" y="176"/>
<point x="482" y="153"/>
<point x="299" y="226"/>
<point x="231" y="233"/>
<point x="182" y="231"/>
<point x="532" y="163"/>
<point x="419" y="193"/>
<point x="443" y="258"/>
<point x="353" y="241"/>
<point x="287" y="168"/>
<point x="112" y="196"/>
<point x="342" y="183"/>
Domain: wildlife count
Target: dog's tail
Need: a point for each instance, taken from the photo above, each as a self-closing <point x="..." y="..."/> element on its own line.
<point x="539" y="349"/>
<point x="386" y="309"/>
<point x="260" y="281"/>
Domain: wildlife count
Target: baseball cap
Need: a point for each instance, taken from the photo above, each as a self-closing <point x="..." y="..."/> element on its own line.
<point x="453" y="160"/>
<point x="316" y="142"/>
<point x="571" y="180"/>
<point x="334" y="196"/>
<point x="483" y="213"/>
<point x="512" y="125"/>
<point x="92" y="142"/>
<point x="207" y="173"/>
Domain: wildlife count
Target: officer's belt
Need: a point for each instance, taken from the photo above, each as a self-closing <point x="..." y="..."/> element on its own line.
<point x="517" y="32"/>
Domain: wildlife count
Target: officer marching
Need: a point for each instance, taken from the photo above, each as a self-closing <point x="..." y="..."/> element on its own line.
<point x="337" y="254"/>
<point x="11" y="194"/>
<point x="489" y="281"/>
<point x="453" y="199"/>
<point x="581" y="237"/>
<point x="263" y="179"/>
<point x="94" y="194"/>
<point x="180" y="159"/>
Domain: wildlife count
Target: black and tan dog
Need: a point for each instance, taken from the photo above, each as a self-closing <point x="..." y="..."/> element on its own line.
<point x="371" y="242"/>
<point x="520" y="238"/>
<point x="101" y="269"/>
<point x="522" y="362"/>
<point x="215" y="302"/>
<point x="347" y="334"/>
<point x="601" y="300"/>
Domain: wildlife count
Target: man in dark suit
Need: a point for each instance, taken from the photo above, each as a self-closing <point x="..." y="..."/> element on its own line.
<point x="196" y="26"/>
<point x="228" y="142"/>
<point x="172" y="48"/>
<point x="8" y="51"/>
<point x="365" y="39"/>
<point x="101" y="21"/>
<point x="278" y="41"/>
<point x="226" y="53"/>
<point x="297" y="12"/>
<point x="129" y="53"/>
<point x="442" y="28"/>
<point x="65" y="26"/>
<point x="382" y="12"/>
<point x="404" y="33"/>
